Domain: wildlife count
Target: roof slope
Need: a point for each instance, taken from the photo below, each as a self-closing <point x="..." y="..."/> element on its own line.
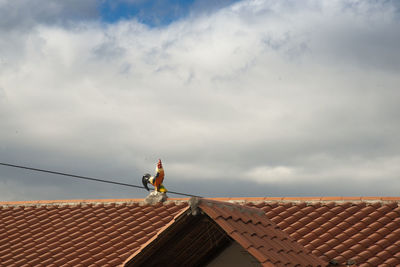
<point x="259" y="235"/>
<point x="174" y="245"/>
<point x="98" y="233"/>
<point x="366" y="231"/>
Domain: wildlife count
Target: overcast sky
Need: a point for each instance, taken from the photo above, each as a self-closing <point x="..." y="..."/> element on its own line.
<point x="238" y="98"/>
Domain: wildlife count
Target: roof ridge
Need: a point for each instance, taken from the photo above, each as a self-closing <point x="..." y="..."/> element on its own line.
<point x="229" y="205"/>
<point x="219" y="199"/>
<point x="83" y="201"/>
<point x="310" y="199"/>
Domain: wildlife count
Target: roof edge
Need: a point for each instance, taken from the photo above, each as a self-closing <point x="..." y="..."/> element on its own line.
<point x="223" y="199"/>
<point x="309" y="199"/>
<point x="195" y="203"/>
<point x="83" y="201"/>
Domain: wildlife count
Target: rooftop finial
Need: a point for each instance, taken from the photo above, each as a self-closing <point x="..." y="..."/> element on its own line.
<point x="159" y="193"/>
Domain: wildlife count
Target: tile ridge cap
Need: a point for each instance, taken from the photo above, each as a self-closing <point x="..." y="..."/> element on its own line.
<point x="310" y="199"/>
<point x="239" y="207"/>
<point x="82" y="201"/>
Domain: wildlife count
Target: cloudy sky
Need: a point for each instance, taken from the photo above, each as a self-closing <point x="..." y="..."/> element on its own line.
<point x="238" y="98"/>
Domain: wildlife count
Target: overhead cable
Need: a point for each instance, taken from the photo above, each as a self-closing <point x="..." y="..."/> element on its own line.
<point x="87" y="178"/>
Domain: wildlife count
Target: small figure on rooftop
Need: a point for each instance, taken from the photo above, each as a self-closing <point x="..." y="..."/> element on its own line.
<point x="155" y="180"/>
<point x="159" y="193"/>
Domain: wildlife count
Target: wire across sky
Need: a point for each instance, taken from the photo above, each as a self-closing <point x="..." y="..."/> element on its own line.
<point x="86" y="178"/>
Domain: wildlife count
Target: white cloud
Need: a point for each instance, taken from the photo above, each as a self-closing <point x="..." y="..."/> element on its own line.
<point x="255" y="91"/>
<point x="267" y="174"/>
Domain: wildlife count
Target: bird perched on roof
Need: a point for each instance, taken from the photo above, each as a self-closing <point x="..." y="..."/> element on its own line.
<point x="155" y="180"/>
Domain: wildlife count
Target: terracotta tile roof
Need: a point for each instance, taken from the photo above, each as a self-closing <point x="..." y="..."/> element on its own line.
<point x="364" y="230"/>
<point x="107" y="232"/>
<point x="259" y="235"/>
<point x="97" y="232"/>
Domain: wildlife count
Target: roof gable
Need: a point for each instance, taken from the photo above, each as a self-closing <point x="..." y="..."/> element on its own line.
<point x="193" y="240"/>
<point x="185" y="241"/>
<point x="234" y="256"/>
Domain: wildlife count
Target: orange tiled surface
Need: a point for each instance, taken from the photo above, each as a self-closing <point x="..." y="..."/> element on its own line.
<point x="367" y="232"/>
<point x="106" y="232"/>
<point x="259" y="235"/>
<point x="78" y="234"/>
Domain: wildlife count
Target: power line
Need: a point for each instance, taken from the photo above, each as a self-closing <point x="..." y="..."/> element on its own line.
<point x="87" y="178"/>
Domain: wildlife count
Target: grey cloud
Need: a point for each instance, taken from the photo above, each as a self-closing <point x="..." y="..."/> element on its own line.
<point x="21" y="14"/>
<point x="18" y="184"/>
<point x="368" y="48"/>
<point x="255" y="99"/>
<point x="209" y="6"/>
<point x="348" y="33"/>
<point x="20" y="19"/>
<point x="108" y="50"/>
<point x="2" y="94"/>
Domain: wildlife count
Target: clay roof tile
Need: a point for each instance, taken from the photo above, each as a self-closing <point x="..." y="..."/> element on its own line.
<point x="392" y="261"/>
